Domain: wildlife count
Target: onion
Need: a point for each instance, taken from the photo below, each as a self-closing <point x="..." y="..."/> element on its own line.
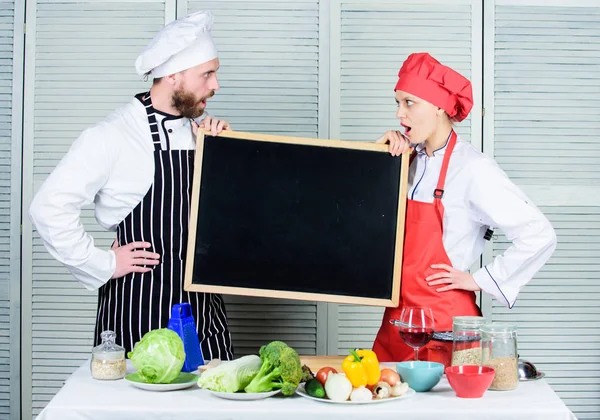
<point x="338" y="387"/>
<point x="389" y="376"/>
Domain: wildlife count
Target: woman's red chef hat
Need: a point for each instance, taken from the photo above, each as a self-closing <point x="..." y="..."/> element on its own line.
<point x="425" y="77"/>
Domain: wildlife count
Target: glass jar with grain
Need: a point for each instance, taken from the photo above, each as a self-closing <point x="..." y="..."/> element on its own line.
<point x="499" y="350"/>
<point x="466" y="340"/>
<point x="108" y="358"/>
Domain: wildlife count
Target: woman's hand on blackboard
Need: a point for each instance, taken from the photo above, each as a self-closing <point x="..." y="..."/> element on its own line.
<point x="131" y="258"/>
<point x="398" y="143"/>
<point x="211" y="124"/>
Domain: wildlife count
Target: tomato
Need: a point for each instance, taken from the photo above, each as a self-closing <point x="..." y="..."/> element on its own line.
<point x="322" y="374"/>
<point x="389" y="376"/>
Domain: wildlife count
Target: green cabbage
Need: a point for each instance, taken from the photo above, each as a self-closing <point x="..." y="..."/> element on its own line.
<point x="158" y="357"/>
<point x="231" y="376"/>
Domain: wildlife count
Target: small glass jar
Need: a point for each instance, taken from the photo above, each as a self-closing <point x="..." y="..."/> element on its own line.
<point x="466" y="340"/>
<point x="108" y="359"/>
<point x="499" y="350"/>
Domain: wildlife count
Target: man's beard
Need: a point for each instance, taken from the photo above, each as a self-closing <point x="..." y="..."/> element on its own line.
<point x="187" y="104"/>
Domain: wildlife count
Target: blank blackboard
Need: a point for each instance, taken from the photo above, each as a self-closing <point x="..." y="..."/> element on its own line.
<point x="296" y="218"/>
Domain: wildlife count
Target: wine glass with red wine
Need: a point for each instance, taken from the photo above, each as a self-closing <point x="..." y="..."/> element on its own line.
<point x="417" y="327"/>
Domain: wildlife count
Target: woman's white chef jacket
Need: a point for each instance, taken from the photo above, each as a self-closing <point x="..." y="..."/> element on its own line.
<point x="478" y="194"/>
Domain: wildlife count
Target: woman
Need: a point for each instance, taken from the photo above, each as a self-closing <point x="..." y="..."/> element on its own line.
<point x="456" y="194"/>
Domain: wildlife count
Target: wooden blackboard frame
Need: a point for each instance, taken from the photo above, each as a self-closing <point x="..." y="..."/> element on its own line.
<point x="228" y="290"/>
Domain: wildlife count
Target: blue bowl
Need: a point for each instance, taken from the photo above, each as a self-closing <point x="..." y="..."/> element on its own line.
<point x="420" y="376"/>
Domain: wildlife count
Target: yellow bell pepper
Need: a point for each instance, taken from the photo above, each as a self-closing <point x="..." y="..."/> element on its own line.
<point x="362" y="368"/>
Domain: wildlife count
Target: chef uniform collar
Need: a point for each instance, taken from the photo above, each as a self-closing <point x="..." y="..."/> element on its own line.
<point x="420" y="148"/>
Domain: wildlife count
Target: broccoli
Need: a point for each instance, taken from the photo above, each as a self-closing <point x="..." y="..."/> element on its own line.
<point x="280" y="369"/>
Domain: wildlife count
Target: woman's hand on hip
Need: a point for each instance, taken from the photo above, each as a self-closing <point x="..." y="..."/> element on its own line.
<point x="398" y="143"/>
<point x="131" y="258"/>
<point x="452" y="279"/>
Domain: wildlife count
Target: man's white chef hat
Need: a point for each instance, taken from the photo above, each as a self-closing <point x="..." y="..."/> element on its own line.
<point x="182" y="44"/>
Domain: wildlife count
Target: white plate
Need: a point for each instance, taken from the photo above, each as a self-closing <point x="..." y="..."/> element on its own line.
<point x="243" y="396"/>
<point x="183" y="381"/>
<point x="300" y="391"/>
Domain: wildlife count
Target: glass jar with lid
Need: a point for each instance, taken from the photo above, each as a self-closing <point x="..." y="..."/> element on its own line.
<point x="499" y="350"/>
<point x="466" y="340"/>
<point x="108" y="358"/>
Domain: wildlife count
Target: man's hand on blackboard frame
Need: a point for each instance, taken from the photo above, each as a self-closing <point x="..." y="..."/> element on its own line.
<point x="398" y="143"/>
<point x="211" y="124"/>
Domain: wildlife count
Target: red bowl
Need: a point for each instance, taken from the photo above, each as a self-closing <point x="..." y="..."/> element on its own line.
<point x="470" y="381"/>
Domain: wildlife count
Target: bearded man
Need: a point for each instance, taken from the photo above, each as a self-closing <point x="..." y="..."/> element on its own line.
<point x="137" y="167"/>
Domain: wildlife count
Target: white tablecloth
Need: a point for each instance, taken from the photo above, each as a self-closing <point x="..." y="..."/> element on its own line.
<point x="83" y="397"/>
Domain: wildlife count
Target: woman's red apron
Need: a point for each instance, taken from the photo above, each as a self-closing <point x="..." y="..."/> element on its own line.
<point x="423" y="246"/>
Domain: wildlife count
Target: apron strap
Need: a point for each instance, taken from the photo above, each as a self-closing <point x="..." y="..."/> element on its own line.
<point x="438" y="193"/>
<point x="144" y="98"/>
<point x="439" y="190"/>
<point x="413" y="155"/>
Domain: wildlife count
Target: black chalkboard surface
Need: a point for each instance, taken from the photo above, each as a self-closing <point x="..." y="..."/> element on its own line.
<point x="297" y="218"/>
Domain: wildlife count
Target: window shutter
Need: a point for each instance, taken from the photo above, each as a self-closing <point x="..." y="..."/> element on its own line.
<point x="543" y="81"/>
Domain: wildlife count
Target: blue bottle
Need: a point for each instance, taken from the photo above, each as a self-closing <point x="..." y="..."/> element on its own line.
<point x="182" y="322"/>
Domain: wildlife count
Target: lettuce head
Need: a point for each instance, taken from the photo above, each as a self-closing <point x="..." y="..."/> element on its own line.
<point x="158" y="357"/>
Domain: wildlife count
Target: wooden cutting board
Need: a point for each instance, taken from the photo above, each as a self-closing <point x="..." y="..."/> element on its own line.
<point x="317" y="362"/>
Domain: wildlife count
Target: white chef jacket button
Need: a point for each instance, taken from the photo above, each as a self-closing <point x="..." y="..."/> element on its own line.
<point x="170" y="130"/>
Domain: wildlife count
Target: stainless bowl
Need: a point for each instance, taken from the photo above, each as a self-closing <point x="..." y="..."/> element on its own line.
<point x="527" y="370"/>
